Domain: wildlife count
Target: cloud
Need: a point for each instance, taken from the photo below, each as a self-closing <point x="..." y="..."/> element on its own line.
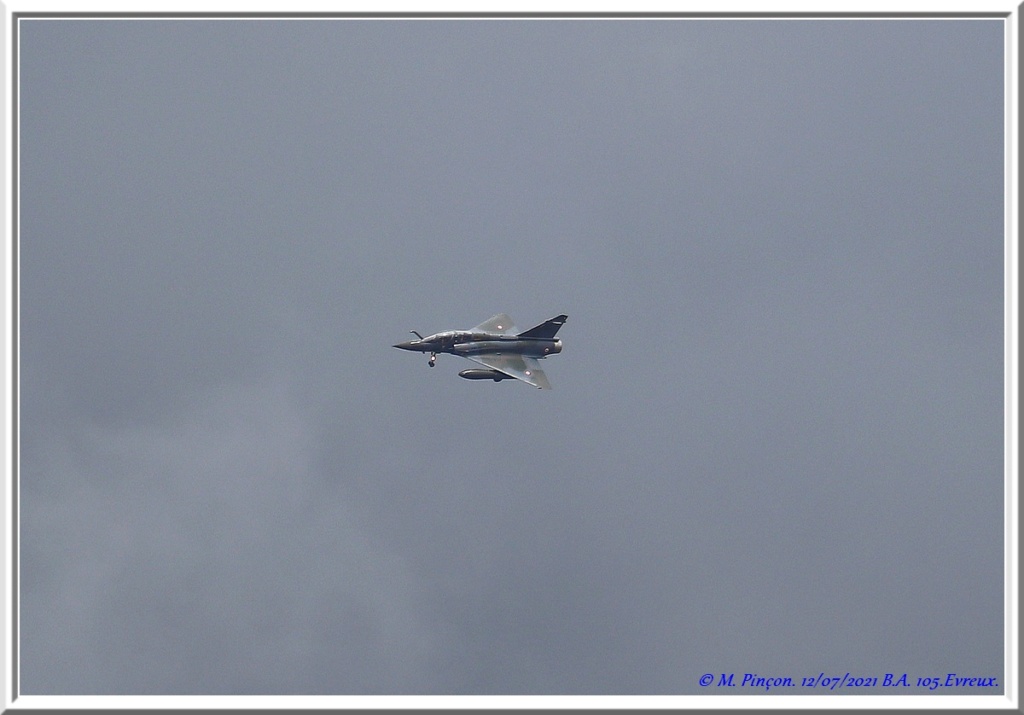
<point x="208" y="556"/>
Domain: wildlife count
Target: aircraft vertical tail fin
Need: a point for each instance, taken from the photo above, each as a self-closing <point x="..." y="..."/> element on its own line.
<point x="547" y="329"/>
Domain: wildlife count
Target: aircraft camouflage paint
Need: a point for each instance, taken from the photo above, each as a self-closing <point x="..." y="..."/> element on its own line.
<point x="498" y="345"/>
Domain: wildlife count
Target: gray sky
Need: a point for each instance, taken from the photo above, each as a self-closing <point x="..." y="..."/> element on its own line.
<point x="774" y="442"/>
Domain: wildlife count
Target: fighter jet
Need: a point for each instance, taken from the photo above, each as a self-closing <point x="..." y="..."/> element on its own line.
<point x="498" y="345"/>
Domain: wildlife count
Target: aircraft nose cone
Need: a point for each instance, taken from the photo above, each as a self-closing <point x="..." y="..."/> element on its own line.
<point x="408" y="345"/>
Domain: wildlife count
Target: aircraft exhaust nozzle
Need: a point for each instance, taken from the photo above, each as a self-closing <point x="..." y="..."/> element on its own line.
<point x="479" y="374"/>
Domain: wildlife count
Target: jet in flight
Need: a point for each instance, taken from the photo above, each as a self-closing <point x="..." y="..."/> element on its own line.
<point x="498" y="345"/>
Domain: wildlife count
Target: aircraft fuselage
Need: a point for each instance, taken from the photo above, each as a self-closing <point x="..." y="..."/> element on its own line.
<point x="464" y="342"/>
